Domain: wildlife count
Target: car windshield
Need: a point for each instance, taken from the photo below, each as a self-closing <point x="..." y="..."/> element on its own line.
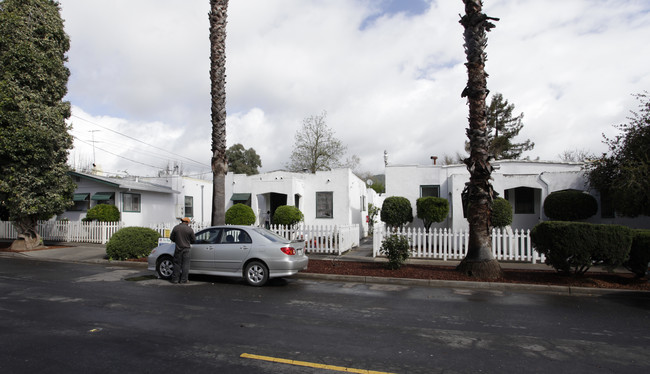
<point x="270" y="235"/>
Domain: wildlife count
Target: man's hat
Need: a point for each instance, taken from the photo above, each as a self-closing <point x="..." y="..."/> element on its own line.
<point x="185" y="219"/>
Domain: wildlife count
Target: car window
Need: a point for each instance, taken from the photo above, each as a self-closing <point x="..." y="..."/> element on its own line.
<point x="270" y="235"/>
<point x="208" y="236"/>
<point x="235" y="236"/>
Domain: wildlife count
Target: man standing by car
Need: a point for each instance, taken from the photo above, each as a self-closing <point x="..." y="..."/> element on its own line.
<point x="183" y="236"/>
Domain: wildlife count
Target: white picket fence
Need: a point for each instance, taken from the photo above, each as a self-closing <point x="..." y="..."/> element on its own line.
<point x="322" y="238"/>
<point x="318" y="238"/>
<point x="444" y="244"/>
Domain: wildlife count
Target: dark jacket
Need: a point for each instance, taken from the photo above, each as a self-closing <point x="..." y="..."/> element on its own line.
<point x="183" y="235"/>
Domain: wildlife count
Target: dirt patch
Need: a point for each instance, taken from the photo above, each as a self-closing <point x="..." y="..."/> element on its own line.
<point x="542" y="277"/>
<point x="5" y="247"/>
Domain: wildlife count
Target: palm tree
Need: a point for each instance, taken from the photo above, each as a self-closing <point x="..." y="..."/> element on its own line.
<point x="218" y="15"/>
<point x="479" y="261"/>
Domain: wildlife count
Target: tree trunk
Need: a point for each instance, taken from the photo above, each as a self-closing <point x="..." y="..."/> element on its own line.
<point x="479" y="261"/>
<point x="28" y="237"/>
<point x="218" y="20"/>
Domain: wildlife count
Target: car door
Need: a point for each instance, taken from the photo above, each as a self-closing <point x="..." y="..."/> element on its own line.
<point x="202" y="252"/>
<point x="232" y="250"/>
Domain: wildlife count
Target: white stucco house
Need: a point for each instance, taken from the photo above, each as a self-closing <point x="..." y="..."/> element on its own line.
<point x="525" y="184"/>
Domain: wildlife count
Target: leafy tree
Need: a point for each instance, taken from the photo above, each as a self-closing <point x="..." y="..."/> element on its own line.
<point x="501" y="212"/>
<point x="479" y="261"/>
<point x="396" y="211"/>
<point x="34" y="138"/>
<point x="103" y="213"/>
<point x="242" y="160"/>
<point x="218" y="18"/>
<point x="431" y="209"/>
<point x="624" y="174"/>
<point x="240" y="214"/>
<point x="287" y="215"/>
<point x="315" y="147"/>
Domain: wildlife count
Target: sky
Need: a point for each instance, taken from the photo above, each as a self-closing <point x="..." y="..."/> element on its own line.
<point x="387" y="73"/>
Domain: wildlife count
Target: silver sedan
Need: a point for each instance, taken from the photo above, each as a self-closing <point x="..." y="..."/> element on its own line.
<point x="253" y="253"/>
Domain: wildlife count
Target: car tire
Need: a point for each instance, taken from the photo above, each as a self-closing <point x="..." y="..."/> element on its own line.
<point x="256" y="273"/>
<point x="165" y="267"/>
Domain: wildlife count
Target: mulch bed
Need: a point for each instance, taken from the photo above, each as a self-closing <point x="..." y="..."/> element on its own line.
<point x="542" y="277"/>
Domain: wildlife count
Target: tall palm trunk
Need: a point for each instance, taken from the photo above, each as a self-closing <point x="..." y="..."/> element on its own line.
<point x="218" y="20"/>
<point x="479" y="261"/>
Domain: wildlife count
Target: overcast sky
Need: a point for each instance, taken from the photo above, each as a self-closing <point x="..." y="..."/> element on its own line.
<point x="389" y="74"/>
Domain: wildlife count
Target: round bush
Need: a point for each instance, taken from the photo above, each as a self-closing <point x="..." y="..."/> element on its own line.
<point x="396" y="211"/>
<point x="431" y="209"/>
<point x="103" y="213"/>
<point x="501" y="212"/>
<point x="132" y="242"/>
<point x="639" y="253"/>
<point x="240" y="214"/>
<point x="287" y="215"/>
<point x="570" y="205"/>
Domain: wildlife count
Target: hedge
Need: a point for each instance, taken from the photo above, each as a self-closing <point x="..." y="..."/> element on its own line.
<point x="132" y="242"/>
<point x="576" y="246"/>
<point x="570" y="205"/>
<point x="103" y="213"/>
<point x="639" y="253"/>
<point x="240" y="214"/>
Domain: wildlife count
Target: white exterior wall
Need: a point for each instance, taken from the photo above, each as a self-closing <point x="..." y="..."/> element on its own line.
<point x="154" y="208"/>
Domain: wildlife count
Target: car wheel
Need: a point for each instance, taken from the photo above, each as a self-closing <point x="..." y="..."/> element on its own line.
<point x="165" y="267"/>
<point x="256" y="273"/>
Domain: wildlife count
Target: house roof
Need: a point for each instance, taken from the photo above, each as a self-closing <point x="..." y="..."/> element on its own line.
<point x="125" y="184"/>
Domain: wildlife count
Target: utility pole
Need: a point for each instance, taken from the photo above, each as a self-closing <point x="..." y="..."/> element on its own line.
<point x="93" y="141"/>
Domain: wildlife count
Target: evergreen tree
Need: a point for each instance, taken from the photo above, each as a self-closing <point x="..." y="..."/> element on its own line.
<point x="34" y="138"/>
<point x="242" y="160"/>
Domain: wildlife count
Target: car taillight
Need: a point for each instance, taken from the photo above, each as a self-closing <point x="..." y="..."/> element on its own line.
<point x="288" y="251"/>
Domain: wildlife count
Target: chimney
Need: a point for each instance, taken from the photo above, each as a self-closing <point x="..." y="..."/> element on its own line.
<point x="434" y="158"/>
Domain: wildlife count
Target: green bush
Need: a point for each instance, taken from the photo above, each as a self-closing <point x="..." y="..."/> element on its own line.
<point x="132" y="242"/>
<point x="103" y="213"/>
<point x="431" y="209"/>
<point x="396" y="211"/>
<point x="287" y="215"/>
<point x="396" y="249"/>
<point x="578" y="246"/>
<point x="639" y="253"/>
<point x="501" y="212"/>
<point x="570" y="205"/>
<point x="240" y="214"/>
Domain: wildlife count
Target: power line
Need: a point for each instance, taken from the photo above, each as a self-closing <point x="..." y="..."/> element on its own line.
<point x="139" y="141"/>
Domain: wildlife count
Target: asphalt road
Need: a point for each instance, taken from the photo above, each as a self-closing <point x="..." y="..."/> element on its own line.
<point x="62" y="317"/>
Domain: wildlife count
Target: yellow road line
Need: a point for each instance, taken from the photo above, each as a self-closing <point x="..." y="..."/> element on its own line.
<point x="310" y="364"/>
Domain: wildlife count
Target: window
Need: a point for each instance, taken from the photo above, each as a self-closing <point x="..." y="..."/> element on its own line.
<point x="208" y="236"/>
<point x="524" y="200"/>
<point x="81" y="202"/>
<point x="235" y="236"/>
<point x="324" y="204"/>
<point x="131" y="202"/>
<point x="430" y="190"/>
<point x="189" y="206"/>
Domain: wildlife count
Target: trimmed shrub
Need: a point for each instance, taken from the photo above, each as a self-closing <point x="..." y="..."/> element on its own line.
<point x="570" y="205"/>
<point x="396" y="249"/>
<point x="287" y="215"/>
<point x="576" y="246"/>
<point x="431" y="209"/>
<point x="396" y="211"/>
<point x="132" y="242"/>
<point x="240" y="214"/>
<point x="501" y="212"/>
<point x="103" y="213"/>
<point x="639" y="253"/>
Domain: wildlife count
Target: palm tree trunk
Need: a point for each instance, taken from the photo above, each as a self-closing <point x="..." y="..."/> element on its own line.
<point x="479" y="261"/>
<point x="218" y="20"/>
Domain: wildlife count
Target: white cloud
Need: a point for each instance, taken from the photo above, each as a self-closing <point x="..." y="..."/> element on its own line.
<point x="388" y="81"/>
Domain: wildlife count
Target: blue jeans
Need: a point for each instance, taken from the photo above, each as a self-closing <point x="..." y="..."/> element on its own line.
<point x="181" y="264"/>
